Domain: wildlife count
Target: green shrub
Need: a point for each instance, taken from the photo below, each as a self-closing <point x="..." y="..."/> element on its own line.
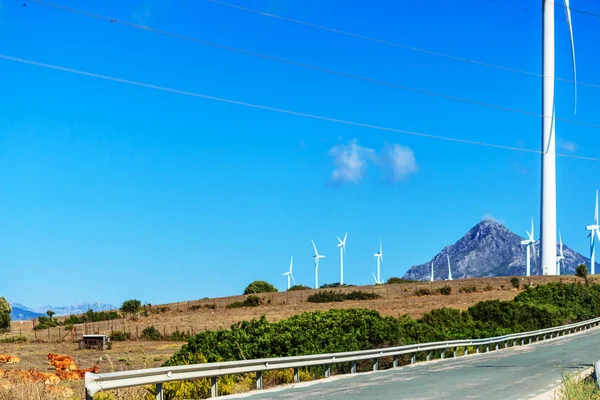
<point x="235" y="304"/>
<point x="298" y="287"/>
<point x="151" y="333"/>
<point x="326" y="296"/>
<point x="131" y="306"/>
<point x="5" y="310"/>
<point x="14" y="339"/>
<point x="423" y="292"/>
<point x="394" y="281"/>
<point x="119" y="336"/>
<point x="488" y="288"/>
<point x="260" y="287"/>
<point x="515" y="282"/>
<point x="445" y="290"/>
<point x="359" y="295"/>
<point x="468" y="289"/>
<point x="251" y="301"/>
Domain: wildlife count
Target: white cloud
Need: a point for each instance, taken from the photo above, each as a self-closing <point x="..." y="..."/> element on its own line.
<point x="350" y="161"/>
<point x="568" y="146"/>
<point x="489" y="216"/>
<point x="397" y="162"/>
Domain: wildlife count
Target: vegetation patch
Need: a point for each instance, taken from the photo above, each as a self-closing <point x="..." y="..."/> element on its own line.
<point x="395" y="281"/>
<point x="331" y="296"/>
<point x="445" y="290"/>
<point x="251" y="301"/>
<point x="260" y="287"/>
<point x="298" y="287"/>
<point x="423" y="292"/>
<point x="468" y="289"/>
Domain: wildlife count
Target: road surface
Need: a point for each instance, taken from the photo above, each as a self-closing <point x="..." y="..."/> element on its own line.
<point x="512" y="374"/>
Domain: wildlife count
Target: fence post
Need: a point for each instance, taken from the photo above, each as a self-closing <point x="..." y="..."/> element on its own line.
<point x="159" y="392"/>
<point x="214" y="389"/>
<point x="296" y="375"/>
<point x="259" y="380"/>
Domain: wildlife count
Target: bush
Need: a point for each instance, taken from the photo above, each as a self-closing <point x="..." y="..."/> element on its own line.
<point x="298" y="287"/>
<point x="468" y="289"/>
<point x="326" y="296"/>
<point x="131" y="306"/>
<point x="515" y="282"/>
<point x="260" y="287"/>
<point x="423" y="292"/>
<point x="446" y="290"/>
<point x="488" y="288"/>
<point x="251" y="301"/>
<point x="582" y="272"/>
<point x="358" y="295"/>
<point x="394" y="281"/>
<point x="151" y="333"/>
<point x="119" y="336"/>
<point x="335" y="285"/>
<point x="5" y="310"/>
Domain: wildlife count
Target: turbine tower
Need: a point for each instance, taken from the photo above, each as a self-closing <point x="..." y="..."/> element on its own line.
<point x="548" y="195"/>
<point x="530" y="243"/>
<point x="594" y="233"/>
<point x="342" y="246"/>
<point x="449" y="268"/>
<point x="379" y="262"/>
<point x="431" y="277"/>
<point x="289" y="273"/>
<point x="560" y="260"/>
<point x="316" y="257"/>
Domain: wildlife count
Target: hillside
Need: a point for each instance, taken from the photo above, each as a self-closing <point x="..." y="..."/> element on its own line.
<point x="488" y="249"/>
<point x="21" y="312"/>
<point x="397" y="299"/>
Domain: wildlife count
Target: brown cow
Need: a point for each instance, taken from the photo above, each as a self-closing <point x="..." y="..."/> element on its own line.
<point x="44" y="377"/>
<point x="95" y="369"/>
<point x="60" y="357"/>
<point x="68" y="375"/>
<point x="13" y="360"/>
<point x="64" y="365"/>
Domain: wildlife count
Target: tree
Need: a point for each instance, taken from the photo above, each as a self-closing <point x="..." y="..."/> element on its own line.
<point x="582" y="272"/>
<point x="298" y="287"/>
<point x="50" y="313"/>
<point x="5" y="310"/>
<point x="259" y="287"/>
<point x="131" y="306"/>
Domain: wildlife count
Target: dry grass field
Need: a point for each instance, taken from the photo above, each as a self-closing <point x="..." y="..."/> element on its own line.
<point x="208" y="314"/>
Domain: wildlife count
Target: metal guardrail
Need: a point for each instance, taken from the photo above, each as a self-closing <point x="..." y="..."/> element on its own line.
<point x="157" y="376"/>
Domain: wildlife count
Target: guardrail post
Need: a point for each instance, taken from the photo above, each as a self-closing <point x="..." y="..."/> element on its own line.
<point x="523" y="342"/>
<point x="476" y="349"/>
<point x="497" y="346"/>
<point x="506" y="344"/>
<point x="412" y="358"/>
<point x="214" y="389"/>
<point x="428" y="355"/>
<point x="296" y="375"/>
<point x="396" y="361"/>
<point x="376" y="364"/>
<point x="443" y="355"/>
<point x="88" y="396"/>
<point x="159" y="392"/>
<point x="327" y="370"/>
<point x="259" y="380"/>
<point x="466" y="350"/>
<point x="530" y="339"/>
<point x="353" y="367"/>
<point x="454" y="352"/>
<point x="514" y="342"/>
<point x="487" y="348"/>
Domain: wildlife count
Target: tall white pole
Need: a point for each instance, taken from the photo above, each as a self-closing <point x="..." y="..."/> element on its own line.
<point x="528" y="272"/>
<point x="548" y="199"/>
<point x="592" y="254"/>
<point x="378" y="270"/>
<point x="341" y="265"/>
<point x="317" y="273"/>
<point x="288" y="282"/>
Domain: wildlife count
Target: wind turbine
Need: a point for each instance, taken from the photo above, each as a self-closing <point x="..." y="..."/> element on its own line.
<point x="449" y="268"/>
<point x="379" y="262"/>
<point x="560" y="260"/>
<point x="316" y="257"/>
<point x="342" y="246"/>
<point x="431" y="277"/>
<point x="289" y="273"/>
<point x="548" y="195"/>
<point x="530" y="243"/>
<point x="594" y="233"/>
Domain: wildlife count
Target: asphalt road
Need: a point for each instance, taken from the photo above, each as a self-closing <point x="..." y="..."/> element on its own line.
<point x="515" y="373"/>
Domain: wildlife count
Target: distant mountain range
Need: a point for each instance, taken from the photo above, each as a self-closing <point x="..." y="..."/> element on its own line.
<point x="21" y="312"/>
<point x="488" y="249"/>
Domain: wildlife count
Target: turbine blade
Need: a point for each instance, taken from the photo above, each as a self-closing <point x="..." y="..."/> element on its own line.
<point x="568" y="12"/>
<point x="596" y="210"/>
<point x="291" y="262"/>
<point x="375" y="278"/>
<point x="314" y="247"/>
<point x="345" y="237"/>
<point x="532" y="231"/>
<point x="293" y="280"/>
<point x="340" y="240"/>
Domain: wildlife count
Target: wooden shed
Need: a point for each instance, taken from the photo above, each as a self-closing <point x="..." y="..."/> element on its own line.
<point x="98" y="342"/>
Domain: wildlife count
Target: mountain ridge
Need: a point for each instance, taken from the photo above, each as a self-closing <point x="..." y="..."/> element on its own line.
<point x="21" y="312"/>
<point x="488" y="249"/>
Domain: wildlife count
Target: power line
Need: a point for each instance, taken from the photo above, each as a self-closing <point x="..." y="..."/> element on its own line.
<point x="300" y="64"/>
<point x="288" y="112"/>
<point x="394" y="44"/>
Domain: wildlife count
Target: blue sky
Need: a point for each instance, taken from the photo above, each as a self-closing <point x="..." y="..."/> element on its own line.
<point x="114" y="191"/>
